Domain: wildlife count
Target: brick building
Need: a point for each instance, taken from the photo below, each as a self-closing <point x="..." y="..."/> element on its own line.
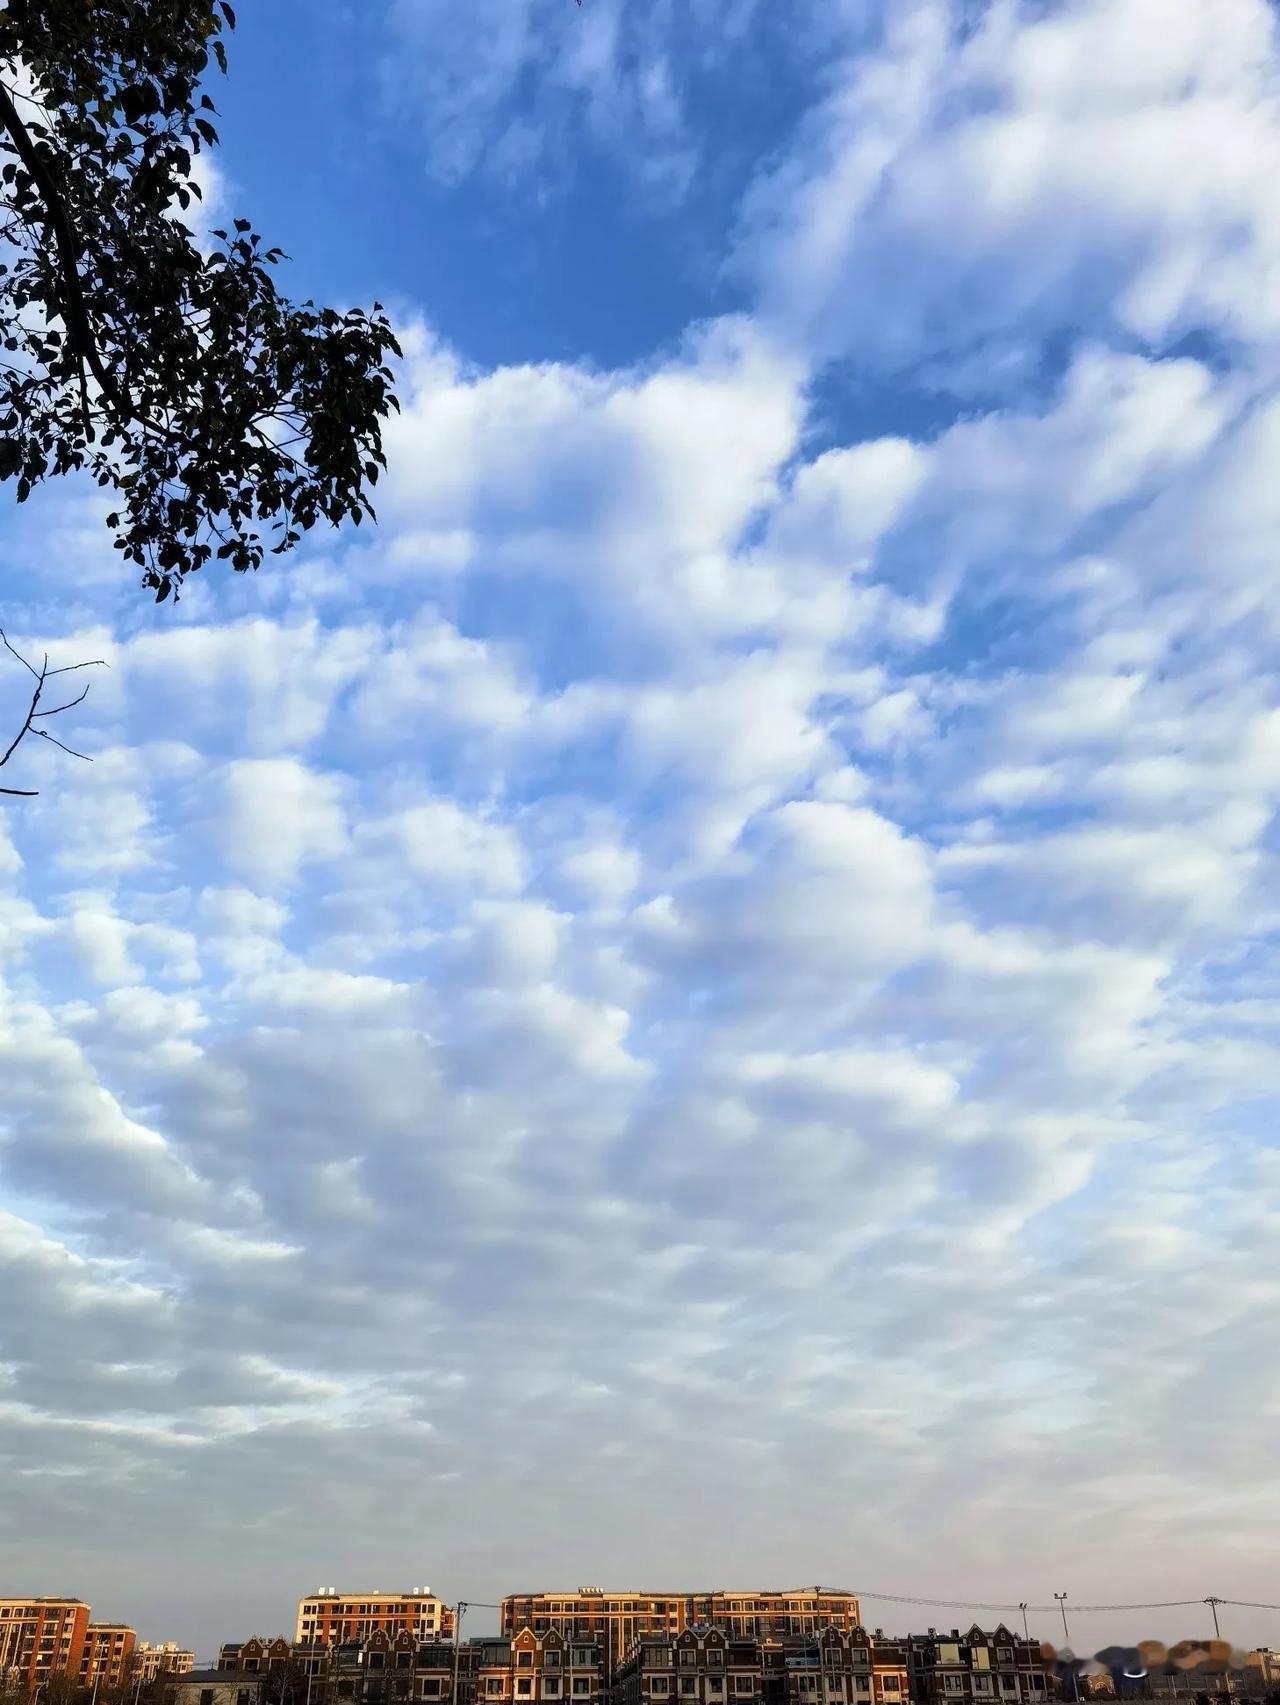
<point x="978" y="1668"/>
<point x="616" y="1619"/>
<point x="845" y="1667"/>
<point x="331" y="1615"/>
<point x="260" y="1654"/>
<point x="40" y="1637"/>
<point x="701" y="1665"/>
<point x="105" y="1660"/>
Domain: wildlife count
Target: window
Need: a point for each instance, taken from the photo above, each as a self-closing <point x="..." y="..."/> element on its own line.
<point x="982" y="1684"/>
<point x="242" y="1696"/>
<point x="551" y="1687"/>
<point x="688" y="1684"/>
<point x="891" y="1684"/>
<point x="403" y="1660"/>
<point x="716" y="1684"/>
<point x="582" y="1684"/>
<point x="493" y="1685"/>
<point x="551" y="1660"/>
<point x="953" y="1683"/>
<point x="1004" y="1655"/>
<point x="688" y="1657"/>
<point x="743" y="1684"/>
<point x="377" y="1660"/>
<point x="524" y="1686"/>
<point x="715" y="1657"/>
<point x="524" y="1660"/>
<point x="206" y="1696"/>
<point x="658" y="1684"/>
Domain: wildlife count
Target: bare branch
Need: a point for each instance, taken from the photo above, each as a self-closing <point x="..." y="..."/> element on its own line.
<point x="45" y="735"/>
<point x="34" y="713"/>
<point x="21" y="659"/>
<point x="66" y="669"/>
<point x="68" y="706"/>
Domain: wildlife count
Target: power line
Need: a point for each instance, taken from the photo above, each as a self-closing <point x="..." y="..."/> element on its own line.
<point x="978" y="1604"/>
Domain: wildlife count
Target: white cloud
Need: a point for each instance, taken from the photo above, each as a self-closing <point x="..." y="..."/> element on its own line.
<point x="1044" y="169"/>
<point x="274" y="814"/>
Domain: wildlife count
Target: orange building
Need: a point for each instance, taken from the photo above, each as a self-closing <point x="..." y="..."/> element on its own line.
<point x="108" y="1647"/>
<point x="616" y="1619"/>
<point x="328" y="1614"/>
<point x="40" y="1637"/>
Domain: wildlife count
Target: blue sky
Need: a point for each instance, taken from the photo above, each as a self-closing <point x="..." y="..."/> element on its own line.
<point x="697" y="1006"/>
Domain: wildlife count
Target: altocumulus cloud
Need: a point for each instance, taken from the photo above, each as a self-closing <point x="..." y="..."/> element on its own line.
<point x="705" y="994"/>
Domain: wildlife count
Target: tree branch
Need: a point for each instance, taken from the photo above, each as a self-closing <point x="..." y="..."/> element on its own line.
<point x="34" y="713"/>
<point x="59" y="220"/>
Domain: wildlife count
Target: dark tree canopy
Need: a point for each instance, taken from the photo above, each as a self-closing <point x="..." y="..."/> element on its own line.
<point x="228" y="419"/>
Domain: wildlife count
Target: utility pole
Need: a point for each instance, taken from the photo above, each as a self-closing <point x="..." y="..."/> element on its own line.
<point x="1066" y="1633"/>
<point x="1025" y="1631"/>
<point x="460" y="1610"/>
<point x="1213" y="1604"/>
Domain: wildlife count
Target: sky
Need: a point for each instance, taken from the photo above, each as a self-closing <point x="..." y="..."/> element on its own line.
<point x="695" y="1009"/>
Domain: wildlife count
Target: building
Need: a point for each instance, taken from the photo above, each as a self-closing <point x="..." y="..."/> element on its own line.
<point x="845" y="1667"/>
<point x="217" y="1687"/>
<point x="977" y="1668"/>
<point x="484" y="1670"/>
<point x="106" y="1658"/>
<point x="328" y="1615"/>
<point x="701" y="1665"/>
<point x="258" y="1655"/>
<point x="40" y="1637"/>
<point x="616" y="1619"/>
<point x="150" y="1662"/>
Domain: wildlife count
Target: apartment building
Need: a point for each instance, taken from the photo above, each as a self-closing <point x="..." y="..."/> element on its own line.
<point x="977" y="1668"/>
<point x="845" y="1667"/>
<point x="616" y="1619"/>
<point x="329" y="1614"/>
<point x="152" y="1661"/>
<point x="40" y="1637"/>
<point x="105" y="1660"/>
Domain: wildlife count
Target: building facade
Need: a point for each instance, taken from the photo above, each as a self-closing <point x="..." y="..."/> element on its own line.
<point x="701" y="1665"/>
<point x="40" y="1637"/>
<point x="260" y="1654"/>
<point x="152" y="1661"/>
<point x="616" y="1619"/>
<point x="106" y="1659"/>
<point x="328" y="1615"/>
<point x="978" y="1668"/>
<point x="846" y="1667"/>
